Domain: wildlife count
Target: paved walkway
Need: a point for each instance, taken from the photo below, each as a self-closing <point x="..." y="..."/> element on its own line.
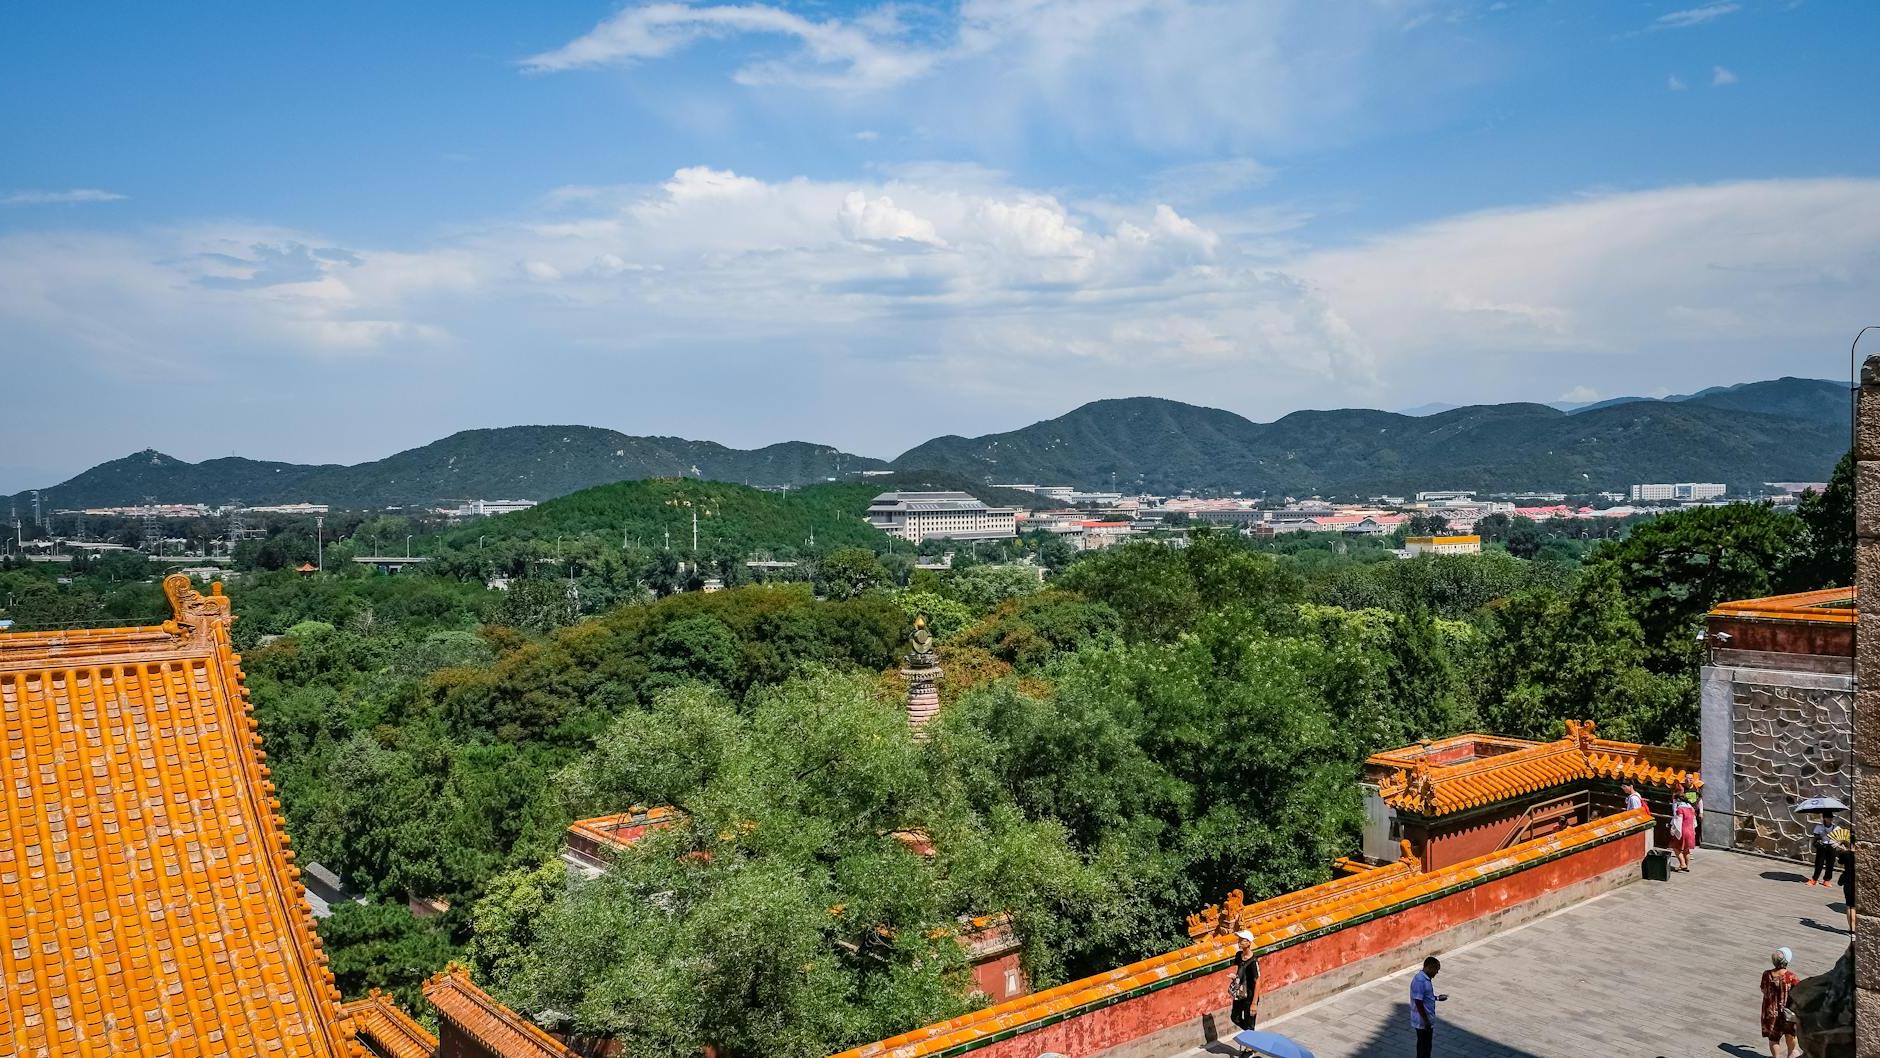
<point x="1655" y="969"/>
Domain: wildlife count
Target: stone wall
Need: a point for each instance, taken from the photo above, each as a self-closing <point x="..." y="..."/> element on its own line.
<point x="1867" y="713"/>
<point x="1772" y="738"/>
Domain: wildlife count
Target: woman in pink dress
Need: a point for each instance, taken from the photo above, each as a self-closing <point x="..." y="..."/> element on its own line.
<point x="1684" y="828"/>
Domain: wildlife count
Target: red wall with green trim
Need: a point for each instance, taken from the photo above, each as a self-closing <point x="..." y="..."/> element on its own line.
<point x="1178" y="1004"/>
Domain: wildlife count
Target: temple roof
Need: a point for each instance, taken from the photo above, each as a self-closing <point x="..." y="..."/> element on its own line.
<point x="502" y="1031"/>
<point x="1516" y="768"/>
<point x="1829" y="605"/>
<point x="387" y="1030"/>
<point x="149" y="904"/>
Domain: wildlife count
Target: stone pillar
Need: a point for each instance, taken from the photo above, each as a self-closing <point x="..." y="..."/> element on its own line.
<point x="922" y="673"/>
<point x="1866" y="808"/>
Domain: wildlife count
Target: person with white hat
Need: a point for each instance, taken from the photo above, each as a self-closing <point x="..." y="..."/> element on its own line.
<point x="1778" y="1018"/>
<point x="1243" y="987"/>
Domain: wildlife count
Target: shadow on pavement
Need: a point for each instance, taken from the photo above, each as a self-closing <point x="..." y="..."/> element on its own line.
<point x="1784" y="876"/>
<point x="1824" y="927"/>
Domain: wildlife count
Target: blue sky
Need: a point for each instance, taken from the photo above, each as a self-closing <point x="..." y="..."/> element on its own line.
<point x="334" y="231"/>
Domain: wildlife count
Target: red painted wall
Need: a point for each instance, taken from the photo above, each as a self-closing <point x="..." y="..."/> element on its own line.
<point x="989" y="977"/>
<point x="1178" y="1004"/>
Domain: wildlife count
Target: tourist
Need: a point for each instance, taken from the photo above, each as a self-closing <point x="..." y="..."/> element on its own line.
<point x="1683" y="827"/>
<point x="1423" y="1000"/>
<point x="1633" y="801"/>
<point x="1243" y="987"/>
<point x="1778" y="1021"/>
<point x="1844" y="848"/>
<point x="1824" y="849"/>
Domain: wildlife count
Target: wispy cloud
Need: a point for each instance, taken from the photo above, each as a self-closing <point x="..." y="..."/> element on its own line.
<point x="1720" y="76"/>
<point x="834" y="53"/>
<point x="1221" y="74"/>
<point x="72" y="196"/>
<point x="1694" y="16"/>
<point x="1675" y="83"/>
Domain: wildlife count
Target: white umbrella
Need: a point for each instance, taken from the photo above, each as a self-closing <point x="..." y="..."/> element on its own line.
<point x="1818" y="804"/>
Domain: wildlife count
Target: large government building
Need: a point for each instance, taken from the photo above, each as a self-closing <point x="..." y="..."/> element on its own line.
<point x="918" y="516"/>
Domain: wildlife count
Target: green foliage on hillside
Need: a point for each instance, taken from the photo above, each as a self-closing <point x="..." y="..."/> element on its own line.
<point x="1148" y="729"/>
<point x="655" y="515"/>
<point x="1162" y="445"/>
<point x="512" y="462"/>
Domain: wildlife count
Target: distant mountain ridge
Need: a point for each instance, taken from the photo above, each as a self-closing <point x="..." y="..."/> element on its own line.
<point x="512" y="462"/>
<point x="1787" y="429"/>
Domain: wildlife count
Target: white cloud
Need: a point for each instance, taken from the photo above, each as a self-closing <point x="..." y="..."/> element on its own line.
<point x="868" y="135"/>
<point x="73" y="196"/>
<point x="1720" y="77"/>
<point x="1701" y="276"/>
<point x="984" y="296"/>
<point x="833" y="53"/>
<point x="880" y="220"/>
<point x="1164" y="73"/>
<point x="1694" y="16"/>
<point x="1675" y="83"/>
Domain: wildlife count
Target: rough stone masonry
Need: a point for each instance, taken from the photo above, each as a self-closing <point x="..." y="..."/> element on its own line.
<point x="1867" y="713"/>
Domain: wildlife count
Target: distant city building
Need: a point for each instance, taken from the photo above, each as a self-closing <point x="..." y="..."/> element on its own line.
<point x="1443" y="545"/>
<point x="1439" y="495"/>
<point x="918" y="516"/>
<point x="289" y="508"/>
<point x="1678" y="492"/>
<point x="485" y="508"/>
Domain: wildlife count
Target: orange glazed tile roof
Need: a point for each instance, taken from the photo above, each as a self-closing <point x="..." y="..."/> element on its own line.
<point x="473" y="1011"/>
<point x="149" y="904"/>
<point x="1831" y="605"/>
<point x="622" y="829"/>
<point x="387" y="1030"/>
<point x="1427" y="790"/>
<point x="1275" y="923"/>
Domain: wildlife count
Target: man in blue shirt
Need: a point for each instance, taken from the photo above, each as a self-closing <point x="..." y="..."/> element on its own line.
<point x="1423" y="1000"/>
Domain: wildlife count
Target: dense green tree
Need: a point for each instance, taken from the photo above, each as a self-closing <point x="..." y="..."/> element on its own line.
<point x="383" y="946"/>
<point x="1030" y="630"/>
<point x="850" y="573"/>
<point x="983" y="587"/>
<point x="1828" y="558"/>
<point x="1555" y="656"/>
<point x="1677" y="566"/>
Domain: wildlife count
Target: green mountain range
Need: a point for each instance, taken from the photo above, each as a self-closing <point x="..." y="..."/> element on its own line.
<point x="513" y="462"/>
<point x="1788" y="429"/>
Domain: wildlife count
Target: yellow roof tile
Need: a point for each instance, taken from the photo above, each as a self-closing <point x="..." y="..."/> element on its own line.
<point x="148" y="900"/>
<point x="387" y="1030"/>
<point x="1420" y="788"/>
<point x="502" y="1031"/>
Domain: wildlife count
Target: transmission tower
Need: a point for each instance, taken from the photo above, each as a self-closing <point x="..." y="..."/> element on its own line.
<point x="153" y="533"/>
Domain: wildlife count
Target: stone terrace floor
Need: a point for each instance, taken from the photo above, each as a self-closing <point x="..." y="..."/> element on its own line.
<point x="1654" y="969"/>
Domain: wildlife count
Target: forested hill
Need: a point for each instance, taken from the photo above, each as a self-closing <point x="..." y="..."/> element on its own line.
<point x="1788" y="429"/>
<point x="1785" y="430"/>
<point x="513" y="462"/>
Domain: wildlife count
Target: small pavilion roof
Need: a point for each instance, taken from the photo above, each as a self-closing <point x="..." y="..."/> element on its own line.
<point x="387" y="1030"/>
<point x="1517" y="768"/>
<point x="497" y="1028"/>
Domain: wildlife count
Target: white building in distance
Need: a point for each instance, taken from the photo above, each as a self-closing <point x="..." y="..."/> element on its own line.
<point x="1679" y="492"/>
<point x="485" y="508"/>
<point x="917" y="516"/>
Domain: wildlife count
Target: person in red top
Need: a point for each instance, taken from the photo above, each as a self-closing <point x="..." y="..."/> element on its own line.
<point x="1778" y="1023"/>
